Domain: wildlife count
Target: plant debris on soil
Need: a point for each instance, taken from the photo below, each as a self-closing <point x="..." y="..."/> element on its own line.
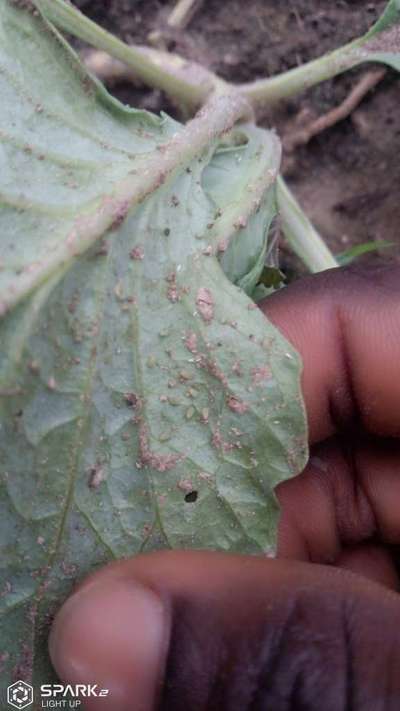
<point x="346" y="177"/>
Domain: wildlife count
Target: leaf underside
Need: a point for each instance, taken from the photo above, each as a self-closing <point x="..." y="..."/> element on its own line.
<point x="144" y="401"/>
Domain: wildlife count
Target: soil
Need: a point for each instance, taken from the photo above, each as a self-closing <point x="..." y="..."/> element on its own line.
<point x="347" y="178"/>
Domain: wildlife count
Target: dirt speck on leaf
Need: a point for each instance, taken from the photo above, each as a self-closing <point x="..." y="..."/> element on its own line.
<point x="120" y="211"/>
<point x="172" y="291"/>
<point x="160" y="462"/>
<point x="240" y="223"/>
<point x="96" y="476"/>
<point x="146" y="530"/>
<point x="237" y="368"/>
<point x="191" y="342"/>
<point x="205" y="304"/>
<point x="219" y="442"/>
<point x="259" y="374"/>
<point x="51" y="383"/>
<point x="185" y="485"/>
<point x="189" y="413"/>
<point x="34" y="367"/>
<point x="137" y="253"/>
<point x="205" y="415"/>
<point x="184" y="376"/>
<point x="237" y="405"/>
<point x="132" y="400"/>
<point x="212" y="367"/>
<point x="205" y="476"/>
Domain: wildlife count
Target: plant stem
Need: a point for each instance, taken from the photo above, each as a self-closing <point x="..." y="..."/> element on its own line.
<point x="190" y="90"/>
<point x="300" y="233"/>
<point x="164" y="75"/>
<point x="182" y="13"/>
<point x="272" y="90"/>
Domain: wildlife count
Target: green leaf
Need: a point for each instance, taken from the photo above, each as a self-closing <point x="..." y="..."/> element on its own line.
<point x="382" y="42"/>
<point x="390" y="17"/>
<point x="226" y="180"/>
<point x="358" y="250"/>
<point x="144" y="401"/>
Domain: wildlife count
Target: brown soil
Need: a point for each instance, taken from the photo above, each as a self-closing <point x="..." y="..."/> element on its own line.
<point x="348" y="177"/>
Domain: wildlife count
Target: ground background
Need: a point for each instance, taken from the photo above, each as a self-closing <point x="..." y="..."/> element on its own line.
<point x="346" y="178"/>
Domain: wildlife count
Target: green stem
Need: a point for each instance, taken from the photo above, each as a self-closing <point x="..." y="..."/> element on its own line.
<point x="166" y="72"/>
<point x="272" y="90"/>
<point x="162" y="76"/>
<point x="300" y="233"/>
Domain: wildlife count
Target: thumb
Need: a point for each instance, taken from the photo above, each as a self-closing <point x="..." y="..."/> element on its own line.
<point x="184" y="631"/>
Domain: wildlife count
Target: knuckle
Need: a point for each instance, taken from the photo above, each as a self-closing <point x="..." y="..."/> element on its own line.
<point x="298" y="651"/>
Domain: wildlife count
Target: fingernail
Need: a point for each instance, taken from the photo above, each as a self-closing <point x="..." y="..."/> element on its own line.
<point x="113" y="634"/>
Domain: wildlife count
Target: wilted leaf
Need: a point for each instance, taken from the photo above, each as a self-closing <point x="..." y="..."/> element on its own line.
<point x="144" y="401"/>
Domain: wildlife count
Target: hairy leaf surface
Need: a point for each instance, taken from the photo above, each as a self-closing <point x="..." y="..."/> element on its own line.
<point x="144" y="401"/>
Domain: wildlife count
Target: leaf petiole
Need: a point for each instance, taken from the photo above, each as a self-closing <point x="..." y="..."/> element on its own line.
<point x="271" y="90"/>
<point x="156" y="69"/>
<point x="300" y="233"/>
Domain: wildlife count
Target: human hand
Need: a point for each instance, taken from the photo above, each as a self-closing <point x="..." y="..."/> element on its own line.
<point x="200" y="631"/>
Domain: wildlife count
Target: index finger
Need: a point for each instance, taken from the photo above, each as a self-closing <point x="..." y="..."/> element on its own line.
<point x="345" y="323"/>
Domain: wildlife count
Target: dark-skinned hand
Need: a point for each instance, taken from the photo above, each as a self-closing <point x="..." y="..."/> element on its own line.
<point x="317" y="628"/>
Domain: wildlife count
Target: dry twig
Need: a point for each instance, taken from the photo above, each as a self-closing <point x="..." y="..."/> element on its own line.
<point x="183" y="13"/>
<point x="367" y="82"/>
<point x="106" y="68"/>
